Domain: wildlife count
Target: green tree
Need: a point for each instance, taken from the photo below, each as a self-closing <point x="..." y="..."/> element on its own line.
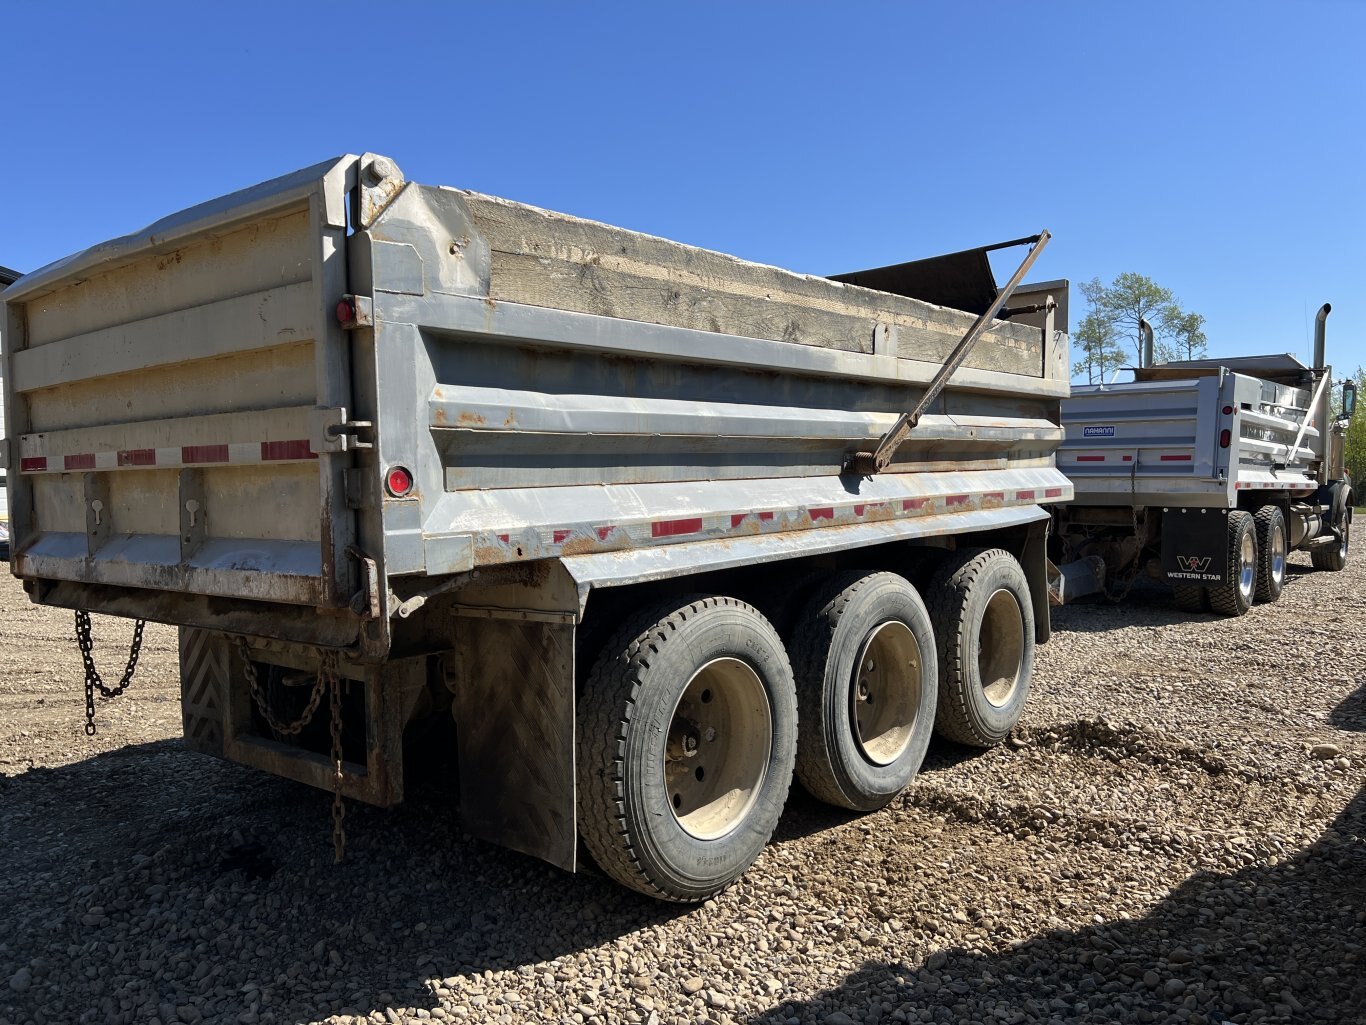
<point x="1128" y="299"/>
<point x="1355" y="447"/>
<point x="1183" y="335"/>
<point x="1100" y="353"/>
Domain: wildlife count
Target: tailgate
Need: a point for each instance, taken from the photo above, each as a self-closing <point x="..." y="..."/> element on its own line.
<point x="1142" y="442"/>
<point x="167" y="397"/>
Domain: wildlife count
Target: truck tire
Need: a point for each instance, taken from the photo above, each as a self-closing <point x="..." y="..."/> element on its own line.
<point x="1273" y="546"/>
<point x="1334" y="557"/>
<point x="983" y="619"/>
<point x="687" y="737"/>
<point x="1235" y="597"/>
<point x="867" y="682"/>
<point x="1191" y="597"/>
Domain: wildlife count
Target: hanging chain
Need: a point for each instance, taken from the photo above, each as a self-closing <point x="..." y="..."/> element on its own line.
<point x="93" y="681"/>
<point x="338" y="808"/>
<point x="262" y="705"/>
<point x="328" y="679"/>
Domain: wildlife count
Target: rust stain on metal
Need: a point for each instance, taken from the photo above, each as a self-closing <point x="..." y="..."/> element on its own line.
<point x="583" y="544"/>
<point x="468" y="418"/>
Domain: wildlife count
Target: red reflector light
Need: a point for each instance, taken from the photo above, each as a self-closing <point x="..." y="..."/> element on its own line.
<point x="1228" y="411"/>
<point x="399" y="481"/>
<point x="345" y="312"/>
<point x="1225" y="436"/>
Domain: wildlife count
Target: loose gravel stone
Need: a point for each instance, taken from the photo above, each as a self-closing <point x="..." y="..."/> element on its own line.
<point x="1153" y="845"/>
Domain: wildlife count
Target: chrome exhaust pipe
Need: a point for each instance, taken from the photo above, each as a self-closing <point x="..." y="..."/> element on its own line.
<point x="1145" y="331"/>
<point x="1320" y="345"/>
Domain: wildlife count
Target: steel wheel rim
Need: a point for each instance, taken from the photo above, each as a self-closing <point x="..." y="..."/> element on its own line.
<point x="884" y="692"/>
<point x="717" y="748"/>
<point x="1000" y="647"/>
<point x="1278" y="549"/>
<point x="1247" y="565"/>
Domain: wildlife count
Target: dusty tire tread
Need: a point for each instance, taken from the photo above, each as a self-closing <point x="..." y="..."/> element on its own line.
<point x="946" y="593"/>
<point x="1190" y="598"/>
<point x="1262" y="523"/>
<point x="614" y="685"/>
<point x="1225" y="599"/>
<point x="814" y="768"/>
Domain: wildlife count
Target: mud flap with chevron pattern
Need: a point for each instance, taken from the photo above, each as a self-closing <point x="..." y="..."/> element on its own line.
<point x="204" y="661"/>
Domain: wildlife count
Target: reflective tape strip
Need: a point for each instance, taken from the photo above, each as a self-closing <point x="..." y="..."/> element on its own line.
<point x="292" y="450"/>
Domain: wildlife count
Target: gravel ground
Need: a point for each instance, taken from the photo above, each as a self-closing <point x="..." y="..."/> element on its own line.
<point x="1176" y="833"/>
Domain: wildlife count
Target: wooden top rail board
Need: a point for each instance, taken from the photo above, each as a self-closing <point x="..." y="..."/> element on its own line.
<point x="547" y="259"/>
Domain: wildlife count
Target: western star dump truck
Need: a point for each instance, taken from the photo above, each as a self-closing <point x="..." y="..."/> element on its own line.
<point x="1208" y="473"/>
<point x="648" y="524"/>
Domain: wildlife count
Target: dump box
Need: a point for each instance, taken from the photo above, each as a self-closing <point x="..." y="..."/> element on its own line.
<point x="1206" y="473"/>
<point x="435" y="454"/>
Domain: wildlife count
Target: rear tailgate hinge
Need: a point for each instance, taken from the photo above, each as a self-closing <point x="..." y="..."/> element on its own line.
<point x="333" y="431"/>
<point x="365" y="602"/>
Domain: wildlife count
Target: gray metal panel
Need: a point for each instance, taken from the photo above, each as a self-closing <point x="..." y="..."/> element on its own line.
<point x="614" y="569"/>
<point x="193" y="326"/>
<point x="214" y="215"/>
<point x="1159" y="442"/>
<point x="514" y="714"/>
<point x="512" y="322"/>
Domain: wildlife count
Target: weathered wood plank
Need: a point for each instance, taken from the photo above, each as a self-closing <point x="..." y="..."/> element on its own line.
<point x="547" y="259"/>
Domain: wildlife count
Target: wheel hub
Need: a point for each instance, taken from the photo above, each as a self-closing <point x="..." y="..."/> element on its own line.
<point x="1001" y="645"/>
<point x="884" y="699"/>
<point x="1278" y="548"/>
<point x="1247" y="565"/>
<point x="717" y="749"/>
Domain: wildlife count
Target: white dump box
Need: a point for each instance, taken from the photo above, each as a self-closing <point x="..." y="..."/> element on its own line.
<point x="1206" y="473"/>
<point x="455" y="443"/>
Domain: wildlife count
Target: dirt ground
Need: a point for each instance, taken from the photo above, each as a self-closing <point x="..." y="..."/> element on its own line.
<point x="1177" y="832"/>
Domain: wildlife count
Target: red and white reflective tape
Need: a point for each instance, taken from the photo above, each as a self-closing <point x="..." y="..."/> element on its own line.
<point x="231" y="454"/>
<point x="542" y="542"/>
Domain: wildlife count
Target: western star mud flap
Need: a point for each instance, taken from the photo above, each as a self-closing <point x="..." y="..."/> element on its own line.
<point x="1195" y="545"/>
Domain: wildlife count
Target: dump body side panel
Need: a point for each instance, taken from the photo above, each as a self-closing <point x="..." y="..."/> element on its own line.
<point x="540" y="433"/>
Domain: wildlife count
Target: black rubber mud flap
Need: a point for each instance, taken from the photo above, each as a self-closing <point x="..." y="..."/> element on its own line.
<point x="1195" y="546"/>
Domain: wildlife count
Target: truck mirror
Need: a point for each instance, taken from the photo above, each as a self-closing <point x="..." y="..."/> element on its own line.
<point x="1349" y="399"/>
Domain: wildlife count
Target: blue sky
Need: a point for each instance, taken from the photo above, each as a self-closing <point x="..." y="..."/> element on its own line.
<point x="1216" y="147"/>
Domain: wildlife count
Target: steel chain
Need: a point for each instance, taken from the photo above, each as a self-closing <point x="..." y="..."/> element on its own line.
<point x="328" y="679"/>
<point x="338" y="808"/>
<point x="93" y="680"/>
<point x="258" y="695"/>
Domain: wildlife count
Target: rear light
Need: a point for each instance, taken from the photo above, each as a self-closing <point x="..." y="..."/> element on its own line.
<point x="399" y="481"/>
<point x="1225" y="436"/>
<point x="346" y="313"/>
<point x="1228" y="411"/>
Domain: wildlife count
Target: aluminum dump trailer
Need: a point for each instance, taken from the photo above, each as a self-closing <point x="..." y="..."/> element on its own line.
<point x="1206" y="473"/>
<point x="414" y="467"/>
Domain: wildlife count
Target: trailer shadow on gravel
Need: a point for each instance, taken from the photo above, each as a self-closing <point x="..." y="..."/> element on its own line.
<point x="1269" y="943"/>
<point x="208" y="878"/>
